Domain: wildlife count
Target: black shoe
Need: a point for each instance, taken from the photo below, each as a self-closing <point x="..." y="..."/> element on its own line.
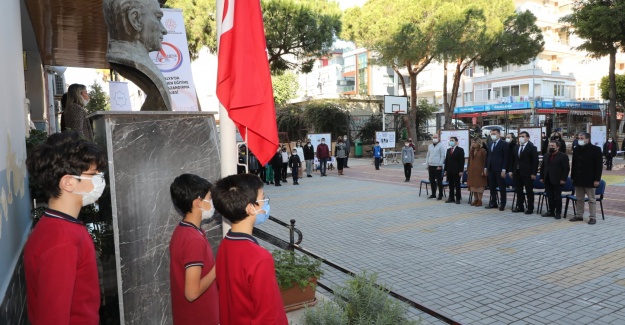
<point x="592" y="221"/>
<point x="558" y="216"/>
<point x="432" y="197"/>
<point x="501" y="208"/>
<point x="576" y="219"/>
<point x="458" y="201"/>
<point x="309" y="176"/>
<point x="278" y="184"/>
<point x="270" y="182"/>
<point x="517" y="209"/>
<point x="491" y="206"/>
<point x="345" y="166"/>
<point x="439" y="198"/>
<point x="450" y="201"/>
<point x="529" y="211"/>
<point x="295" y="183"/>
<point x="377" y="169"/>
<point x="548" y="214"/>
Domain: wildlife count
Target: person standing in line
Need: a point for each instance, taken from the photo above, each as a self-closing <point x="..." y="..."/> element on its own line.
<point x="407" y="158"/>
<point x="309" y="156"/>
<point x="554" y="172"/>
<point x="323" y="154"/>
<point x="454" y="167"/>
<point x="495" y="168"/>
<point x="377" y="154"/>
<point x="340" y="152"/>
<point x="295" y="164"/>
<point x="434" y="160"/>
<point x="300" y="153"/>
<point x="586" y="170"/>
<point x="523" y="172"/>
<point x="285" y="163"/>
<point x="544" y="144"/>
<point x="556" y="136"/>
<point x="269" y="173"/>
<point x="276" y="164"/>
<point x="476" y="179"/>
<point x="76" y="113"/>
<point x="346" y="142"/>
<point x="609" y="151"/>
<point x="512" y="142"/>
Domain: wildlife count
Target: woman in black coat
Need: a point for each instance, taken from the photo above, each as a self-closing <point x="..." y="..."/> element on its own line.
<point x="309" y="156"/>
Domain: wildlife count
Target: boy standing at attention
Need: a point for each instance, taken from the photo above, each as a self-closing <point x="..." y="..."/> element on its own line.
<point x="248" y="289"/>
<point x="194" y="295"/>
<point x="62" y="285"/>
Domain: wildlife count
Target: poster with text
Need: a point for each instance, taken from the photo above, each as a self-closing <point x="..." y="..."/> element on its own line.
<point x="315" y="139"/>
<point x="119" y="96"/>
<point x="174" y="61"/>
<point x="598" y="135"/>
<point x="386" y="139"/>
<point x="535" y="136"/>
<point x="463" y="138"/>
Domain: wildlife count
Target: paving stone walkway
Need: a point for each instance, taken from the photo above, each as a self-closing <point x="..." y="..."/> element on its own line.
<point x="474" y="265"/>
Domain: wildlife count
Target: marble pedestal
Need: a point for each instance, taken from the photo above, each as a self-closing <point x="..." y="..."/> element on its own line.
<point x="146" y="151"/>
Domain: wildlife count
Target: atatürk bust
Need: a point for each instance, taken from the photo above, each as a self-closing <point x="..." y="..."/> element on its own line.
<point x="135" y="29"/>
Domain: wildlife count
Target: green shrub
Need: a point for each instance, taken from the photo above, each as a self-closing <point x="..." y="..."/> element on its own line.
<point x="295" y="268"/>
<point x="360" y="302"/>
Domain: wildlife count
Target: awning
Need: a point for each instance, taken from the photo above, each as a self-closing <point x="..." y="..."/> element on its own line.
<point x="469" y="115"/>
<point x="550" y="111"/>
<point x="510" y="112"/>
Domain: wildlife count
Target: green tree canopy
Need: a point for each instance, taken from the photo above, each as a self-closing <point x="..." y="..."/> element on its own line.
<point x="604" y="86"/>
<point x="291" y="120"/>
<point x="323" y="117"/>
<point x="98" y="100"/>
<point x="199" y="22"/>
<point x="284" y="87"/>
<point x="601" y="24"/>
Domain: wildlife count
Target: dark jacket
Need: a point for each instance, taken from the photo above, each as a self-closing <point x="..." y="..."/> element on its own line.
<point x="323" y="151"/>
<point x="587" y="165"/>
<point x="309" y="152"/>
<point x="454" y="162"/>
<point x="276" y="161"/>
<point x="544" y="146"/>
<point x="556" y="169"/>
<point x="498" y="158"/>
<point x="294" y="161"/>
<point x="609" y="149"/>
<point x="527" y="163"/>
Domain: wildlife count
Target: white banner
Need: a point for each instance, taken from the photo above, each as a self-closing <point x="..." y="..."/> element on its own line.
<point x="598" y="135"/>
<point x="463" y="136"/>
<point x="174" y="62"/>
<point x="119" y="96"/>
<point x="386" y="139"/>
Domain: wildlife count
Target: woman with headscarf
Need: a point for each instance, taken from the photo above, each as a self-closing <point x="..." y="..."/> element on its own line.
<point x="76" y="113"/>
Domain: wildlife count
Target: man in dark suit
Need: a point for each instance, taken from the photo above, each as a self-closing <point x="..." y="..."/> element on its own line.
<point x="555" y="170"/>
<point x="495" y="168"/>
<point x="524" y="168"/>
<point x="586" y="169"/>
<point x="454" y="167"/>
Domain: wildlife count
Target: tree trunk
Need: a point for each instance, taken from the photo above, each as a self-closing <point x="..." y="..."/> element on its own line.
<point x="612" y="106"/>
<point x="412" y="116"/>
<point x="445" y="103"/>
<point x="401" y="78"/>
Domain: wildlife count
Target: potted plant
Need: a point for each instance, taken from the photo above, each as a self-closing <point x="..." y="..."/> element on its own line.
<point x="297" y="276"/>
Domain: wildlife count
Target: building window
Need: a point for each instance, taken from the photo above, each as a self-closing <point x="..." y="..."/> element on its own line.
<point x="514" y="91"/>
<point x="350" y="63"/>
<point x="506" y="68"/>
<point x="482" y="92"/>
<point x="468" y="72"/>
<point x="592" y="91"/>
<point x="363" y="82"/>
<point x="558" y="89"/>
<point x="468" y="97"/>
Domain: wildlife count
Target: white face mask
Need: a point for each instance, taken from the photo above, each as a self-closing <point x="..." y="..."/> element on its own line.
<point x="610" y="140"/>
<point x="581" y="142"/>
<point x="406" y="144"/>
<point x="207" y="214"/>
<point x="508" y="140"/>
<point x="494" y="137"/>
<point x="98" y="187"/>
<point x="435" y="140"/>
<point x="522" y="140"/>
<point x="322" y="142"/>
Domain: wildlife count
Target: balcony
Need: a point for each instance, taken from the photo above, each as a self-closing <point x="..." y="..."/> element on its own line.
<point x="345" y="89"/>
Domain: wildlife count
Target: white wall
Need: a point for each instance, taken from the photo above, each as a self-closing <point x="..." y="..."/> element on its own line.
<point x="14" y="198"/>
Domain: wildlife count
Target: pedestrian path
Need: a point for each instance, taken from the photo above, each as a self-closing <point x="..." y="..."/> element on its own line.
<point x="475" y="265"/>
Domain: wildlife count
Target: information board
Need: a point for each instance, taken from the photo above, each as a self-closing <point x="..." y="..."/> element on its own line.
<point x="386" y="139"/>
<point x="315" y="139"/>
<point x="463" y="138"/>
<point x="598" y="135"/>
<point x="535" y="136"/>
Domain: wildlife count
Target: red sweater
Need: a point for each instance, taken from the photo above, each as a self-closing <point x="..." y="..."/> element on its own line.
<point x="189" y="247"/>
<point x="323" y="151"/>
<point x="248" y="289"/>
<point x="62" y="285"/>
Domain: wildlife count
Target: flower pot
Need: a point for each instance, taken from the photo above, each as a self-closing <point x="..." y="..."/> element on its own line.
<point x="296" y="297"/>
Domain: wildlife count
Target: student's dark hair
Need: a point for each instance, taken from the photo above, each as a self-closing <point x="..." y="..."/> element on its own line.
<point x="585" y="134"/>
<point x="454" y="138"/>
<point x="233" y="193"/>
<point x="62" y="154"/>
<point x="185" y="189"/>
<point x="526" y="133"/>
<point x="496" y="130"/>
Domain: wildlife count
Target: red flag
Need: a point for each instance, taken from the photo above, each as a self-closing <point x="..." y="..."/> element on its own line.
<point x="243" y="77"/>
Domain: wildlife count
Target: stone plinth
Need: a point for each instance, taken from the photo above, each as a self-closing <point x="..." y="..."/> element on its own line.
<point x="146" y="151"/>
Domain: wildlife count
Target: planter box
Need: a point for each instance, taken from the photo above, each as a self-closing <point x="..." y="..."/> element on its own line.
<point x="295" y="297"/>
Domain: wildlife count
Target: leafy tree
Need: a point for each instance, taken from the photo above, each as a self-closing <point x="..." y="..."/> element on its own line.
<point x="326" y="117"/>
<point x="291" y="120"/>
<point x="200" y="23"/>
<point x="284" y="87"/>
<point x="304" y="29"/>
<point x="601" y="24"/>
<point x="401" y="33"/>
<point x="604" y="86"/>
<point x="367" y="132"/>
<point x="98" y="100"/>
<point x="425" y="111"/>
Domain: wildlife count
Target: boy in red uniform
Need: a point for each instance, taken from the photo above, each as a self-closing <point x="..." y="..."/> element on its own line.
<point x="194" y="295"/>
<point x="248" y="289"/>
<point x="62" y="285"/>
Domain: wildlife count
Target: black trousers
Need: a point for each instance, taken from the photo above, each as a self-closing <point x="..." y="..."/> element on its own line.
<point x="346" y="159"/>
<point x="495" y="180"/>
<point x="436" y="180"/>
<point x="284" y="170"/>
<point x="608" y="162"/>
<point x="277" y="175"/>
<point x="295" y="170"/>
<point x="524" y="183"/>
<point x="554" y="197"/>
<point x="407" y="170"/>
<point x="454" y="186"/>
<point x="377" y="163"/>
<point x="340" y="162"/>
<point x="261" y="173"/>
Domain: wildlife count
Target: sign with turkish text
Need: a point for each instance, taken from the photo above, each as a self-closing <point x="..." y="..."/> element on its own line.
<point x="386" y="139"/>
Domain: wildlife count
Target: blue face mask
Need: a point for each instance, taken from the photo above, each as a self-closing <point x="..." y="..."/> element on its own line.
<point x="262" y="217"/>
<point x="452" y="143"/>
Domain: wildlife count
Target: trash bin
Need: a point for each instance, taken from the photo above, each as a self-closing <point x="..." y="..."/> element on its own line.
<point x="358" y="149"/>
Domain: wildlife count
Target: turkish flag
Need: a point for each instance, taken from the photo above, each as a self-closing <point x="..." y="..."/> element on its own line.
<point x="243" y="77"/>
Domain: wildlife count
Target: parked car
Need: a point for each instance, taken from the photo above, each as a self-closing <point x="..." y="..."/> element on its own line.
<point x="486" y="130"/>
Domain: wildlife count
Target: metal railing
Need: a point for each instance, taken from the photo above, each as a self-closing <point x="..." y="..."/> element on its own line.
<point x="293" y="245"/>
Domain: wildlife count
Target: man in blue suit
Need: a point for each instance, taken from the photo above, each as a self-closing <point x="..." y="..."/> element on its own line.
<point x="495" y="168"/>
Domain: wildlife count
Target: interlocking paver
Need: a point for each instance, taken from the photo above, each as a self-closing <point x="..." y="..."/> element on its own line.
<point x="478" y="265"/>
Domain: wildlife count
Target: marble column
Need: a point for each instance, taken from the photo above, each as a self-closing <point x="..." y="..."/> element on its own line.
<point x="146" y="151"/>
